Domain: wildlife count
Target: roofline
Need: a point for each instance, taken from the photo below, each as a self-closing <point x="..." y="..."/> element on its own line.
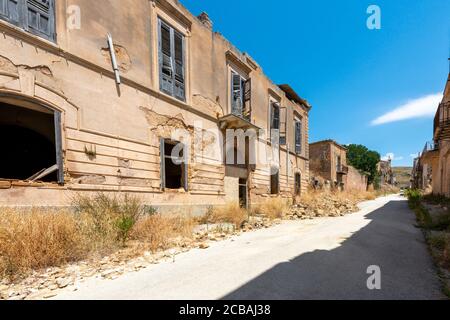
<point x="291" y="94"/>
<point x="330" y="141"/>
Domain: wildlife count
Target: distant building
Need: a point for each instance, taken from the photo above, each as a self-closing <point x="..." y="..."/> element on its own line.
<point x="385" y="171"/>
<point x="329" y="169"/>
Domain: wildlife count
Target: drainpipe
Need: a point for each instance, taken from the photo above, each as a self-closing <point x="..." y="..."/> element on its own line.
<point x="113" y="58"/>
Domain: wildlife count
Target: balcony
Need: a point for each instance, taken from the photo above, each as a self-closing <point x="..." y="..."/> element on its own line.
<point x="442" y="122"/>
<point x="430" y="146"/>
<point x="341" y="169"/>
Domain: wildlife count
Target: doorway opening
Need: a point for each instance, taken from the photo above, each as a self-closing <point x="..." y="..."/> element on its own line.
<point x="298" y="184"/>
<point x="243" y="193"/>
<point x="274" y="181"/>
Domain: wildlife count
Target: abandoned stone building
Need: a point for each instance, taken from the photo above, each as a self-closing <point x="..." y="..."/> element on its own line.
<point x="385" y="172"/>
<point x="431" y="170"/>
<point x="91" y="95"/>
<point x="329" y="168"/>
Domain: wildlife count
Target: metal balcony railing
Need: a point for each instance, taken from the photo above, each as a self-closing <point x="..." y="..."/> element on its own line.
<point x="430" y="146"/>
<point x="442" y="122"/>
<point x="341" y="169"/>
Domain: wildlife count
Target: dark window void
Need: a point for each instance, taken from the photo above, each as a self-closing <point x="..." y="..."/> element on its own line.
<point x="28" y="144"/>
<point x="173" y="167"/>
<point x="298" y="184"/>
<point x="243" y="193"/>
<point x="174" y="171"/>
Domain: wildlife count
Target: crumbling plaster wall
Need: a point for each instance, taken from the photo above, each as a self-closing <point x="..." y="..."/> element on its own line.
<point x="109" y="140"/>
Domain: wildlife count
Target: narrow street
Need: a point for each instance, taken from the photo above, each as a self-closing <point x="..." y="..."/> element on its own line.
<point x="326" y="258"/>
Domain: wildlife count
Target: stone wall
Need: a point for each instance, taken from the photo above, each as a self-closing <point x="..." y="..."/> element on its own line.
<point x="355" y="180"/>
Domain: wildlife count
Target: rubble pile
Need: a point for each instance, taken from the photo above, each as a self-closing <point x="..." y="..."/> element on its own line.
<point x="45" y="284"/>
<point x="324" y="205"/>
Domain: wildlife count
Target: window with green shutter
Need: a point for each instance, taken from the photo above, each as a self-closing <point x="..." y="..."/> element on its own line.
<point x="171" y="61"/>
<point x="34" y="16"/>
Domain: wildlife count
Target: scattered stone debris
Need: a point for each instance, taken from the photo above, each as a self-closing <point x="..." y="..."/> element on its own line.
<point x="325" y="206"/>
<point x="45" y="284"/>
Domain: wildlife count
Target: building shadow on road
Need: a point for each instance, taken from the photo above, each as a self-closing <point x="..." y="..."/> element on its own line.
<point x="389" y="241"/>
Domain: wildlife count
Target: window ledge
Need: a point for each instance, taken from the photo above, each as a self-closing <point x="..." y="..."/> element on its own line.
<point x="27" y="36"/>
<point x="181" y="190"/>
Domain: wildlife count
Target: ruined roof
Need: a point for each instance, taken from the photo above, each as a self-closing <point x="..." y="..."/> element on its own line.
<point x="292" y="95"/>
<point x="331" y="141"/>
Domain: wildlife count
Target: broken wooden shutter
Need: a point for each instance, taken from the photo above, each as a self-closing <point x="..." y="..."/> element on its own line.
<point x="40" y="18"/>
<point x="247" y="98"/>
<point x="283" y="126"/>
<point x="236" y="94"/>
<point x="172" y="77"/>
<point x="298" y="137"/>
<point x="10" y="10"/>
<point x="4" y="8"/>
<point x="275" y="120"/>
<point x="58" y="147"/>
<point x="179" y="89"/>
<point x="165" y="59"/>
<point x="163" y="162"/>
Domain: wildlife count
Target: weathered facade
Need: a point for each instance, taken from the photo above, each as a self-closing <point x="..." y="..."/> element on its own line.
<point x="431" y="170"/>
<point x="329" y="168"/>
<point x="441" y="181"/>
<point x="385" y="172"/>
<point x="74" y="124"/>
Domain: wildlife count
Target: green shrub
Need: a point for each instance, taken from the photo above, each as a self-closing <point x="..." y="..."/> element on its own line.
<point x="414" y="196"/>
<point x="109" y="218"/>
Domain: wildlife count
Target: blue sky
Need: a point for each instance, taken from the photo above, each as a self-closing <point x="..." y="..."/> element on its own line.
<point x="350" y="74"/>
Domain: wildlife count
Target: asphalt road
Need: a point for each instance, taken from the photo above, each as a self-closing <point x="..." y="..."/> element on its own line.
<point x="325" y="258"/>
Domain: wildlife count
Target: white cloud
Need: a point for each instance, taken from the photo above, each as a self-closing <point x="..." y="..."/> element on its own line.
<point x="423" y="107"/>
<point x="391" y="156"/>
<point x="414" y="155"/>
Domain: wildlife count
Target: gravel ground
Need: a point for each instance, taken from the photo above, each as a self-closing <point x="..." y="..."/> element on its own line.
<point x="325" y="258"/>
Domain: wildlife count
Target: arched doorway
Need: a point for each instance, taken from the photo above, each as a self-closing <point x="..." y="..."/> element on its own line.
<point x="31" y="142"/>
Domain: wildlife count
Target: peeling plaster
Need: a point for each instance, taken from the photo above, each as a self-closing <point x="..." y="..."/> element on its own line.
<point x="123" y="58"/>
<point x="209" y="106"/>
<point x="40" y="73"/>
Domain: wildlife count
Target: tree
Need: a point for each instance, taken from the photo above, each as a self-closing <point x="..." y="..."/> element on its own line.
<point x="363" y="159"/>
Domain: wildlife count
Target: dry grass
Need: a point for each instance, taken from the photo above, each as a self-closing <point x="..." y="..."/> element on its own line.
<point x="102" y="224"/>
<point x="274" y="208"/>
<point x="230" y="213"/>
<point x="38" y="239"/>
<point x="158" y="231"/>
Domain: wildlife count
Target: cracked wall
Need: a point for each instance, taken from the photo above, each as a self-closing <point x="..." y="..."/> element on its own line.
<point x="75" y="77"/>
